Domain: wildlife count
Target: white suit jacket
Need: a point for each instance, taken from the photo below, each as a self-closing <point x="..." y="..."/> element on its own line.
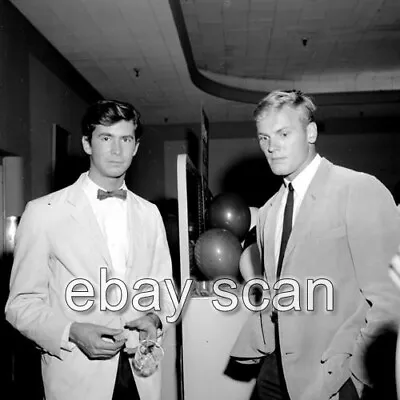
<point x="59" y="240"/>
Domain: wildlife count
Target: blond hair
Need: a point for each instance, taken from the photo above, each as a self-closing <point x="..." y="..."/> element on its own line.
<point x="278" y="99"/>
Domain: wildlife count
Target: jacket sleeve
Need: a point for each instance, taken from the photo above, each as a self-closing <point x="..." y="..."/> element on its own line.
<point x="256" y="338"/>
<point x="28" y="308"/>
<point x="373" y="227"/>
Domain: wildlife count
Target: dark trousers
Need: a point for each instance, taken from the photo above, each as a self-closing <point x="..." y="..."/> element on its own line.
<point x="125" y="386"/>
<point x="271" y="384"/>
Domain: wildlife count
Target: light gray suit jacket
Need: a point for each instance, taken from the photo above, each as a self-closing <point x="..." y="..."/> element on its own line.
<point x="347" y="230"/>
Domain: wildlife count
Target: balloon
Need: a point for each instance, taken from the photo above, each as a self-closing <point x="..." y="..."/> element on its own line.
<point x="250" y="264"/>
<point x="229" y="211"/>
<point x="217" y="253"/>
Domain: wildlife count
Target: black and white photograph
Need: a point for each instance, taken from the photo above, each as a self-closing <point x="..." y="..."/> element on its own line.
<point x="200" y="199"/>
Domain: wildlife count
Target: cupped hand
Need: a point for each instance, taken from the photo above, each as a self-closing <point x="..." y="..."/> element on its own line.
<point x="96" y="341"/>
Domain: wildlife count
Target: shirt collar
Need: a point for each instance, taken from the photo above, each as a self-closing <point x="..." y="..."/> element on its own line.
<point x="303" y="179"/>
<point x="91" y="188"/>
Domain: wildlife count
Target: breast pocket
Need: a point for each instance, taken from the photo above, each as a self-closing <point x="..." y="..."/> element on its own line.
<point x="333" y="233"/>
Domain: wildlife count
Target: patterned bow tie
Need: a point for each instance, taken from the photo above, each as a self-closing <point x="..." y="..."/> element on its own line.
<point x="120" y="194"/>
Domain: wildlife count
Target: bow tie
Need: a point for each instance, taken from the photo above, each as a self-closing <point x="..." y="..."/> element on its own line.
<point x="120" y="194"/>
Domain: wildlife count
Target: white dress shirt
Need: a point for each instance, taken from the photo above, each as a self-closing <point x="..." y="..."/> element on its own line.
<point x="300" y="185"/>
<point x="112" y="216"/>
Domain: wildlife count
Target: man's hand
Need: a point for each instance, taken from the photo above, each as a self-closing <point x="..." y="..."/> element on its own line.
<point x="146" y="325"/>
<point x="96" y="341"/>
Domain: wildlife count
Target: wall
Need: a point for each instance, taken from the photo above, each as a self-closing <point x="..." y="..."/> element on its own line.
<point x="14" y="92"/>
<point x="148" y="172"/>
<point x="51" y="101"/>
<point x="237" y="164"/>
<point x="37" y="87"/>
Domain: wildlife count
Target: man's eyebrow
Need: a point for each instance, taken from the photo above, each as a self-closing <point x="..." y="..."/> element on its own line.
<point x="105" y="133"/>
<point x="283" y="128"/>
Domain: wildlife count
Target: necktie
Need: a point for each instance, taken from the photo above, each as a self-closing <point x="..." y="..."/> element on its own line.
<point x="286" y="231"/>
<point x="287" y="227"/>
<point x="125" y="385"/>
<point x="120" y="194"/>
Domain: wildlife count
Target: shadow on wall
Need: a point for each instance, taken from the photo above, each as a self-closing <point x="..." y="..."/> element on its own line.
<point x="68" y="170"/>
<point x="193" y="147"/>
<point x="20" y="357"/>
<point x="396" y="193"/>
<point x="252" y="179"/>
<point x="169" y="212"/>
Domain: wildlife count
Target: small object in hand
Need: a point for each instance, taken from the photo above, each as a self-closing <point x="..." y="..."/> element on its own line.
<point x="147" y="358"/>
<point x="123" y="336"/>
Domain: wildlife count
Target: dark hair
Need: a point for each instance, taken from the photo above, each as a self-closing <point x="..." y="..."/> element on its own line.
<point x="109" y="112"/>
<point x="294" y="98"/>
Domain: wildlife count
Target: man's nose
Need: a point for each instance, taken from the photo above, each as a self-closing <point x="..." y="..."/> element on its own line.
<point x="272" y="145"/>
<point x="116" y="147"/>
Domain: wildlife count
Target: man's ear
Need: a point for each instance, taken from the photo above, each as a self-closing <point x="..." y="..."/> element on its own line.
<point x="136" y="149"/>
<point x="86" y="145"/>
<point x="312" y="132"/>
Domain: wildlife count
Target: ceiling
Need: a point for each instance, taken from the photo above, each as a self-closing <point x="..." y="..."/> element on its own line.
<point x="170" y="57"/>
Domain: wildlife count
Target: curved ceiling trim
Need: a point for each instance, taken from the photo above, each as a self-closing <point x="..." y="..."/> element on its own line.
<point x="201" y="81"/>
<point x="209" y="83"/>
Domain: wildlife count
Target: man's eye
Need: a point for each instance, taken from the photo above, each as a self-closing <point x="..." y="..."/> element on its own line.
<point x="105" y="138"/>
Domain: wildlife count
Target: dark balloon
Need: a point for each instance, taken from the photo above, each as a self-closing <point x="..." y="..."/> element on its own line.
<point x="217" y="254"/>
<point x="229" y="211"/>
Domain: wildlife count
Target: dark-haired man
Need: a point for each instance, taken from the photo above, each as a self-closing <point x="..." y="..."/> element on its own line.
<point x="64" y="241"/>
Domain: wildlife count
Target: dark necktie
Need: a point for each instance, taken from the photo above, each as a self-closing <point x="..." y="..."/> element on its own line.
<point x="278" y="384"/>
<point x="287" y="228"/>
<point x="125" y="385"/>
<point x="120" y="194"/>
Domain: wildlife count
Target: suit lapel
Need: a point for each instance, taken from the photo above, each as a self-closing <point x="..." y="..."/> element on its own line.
<point x="131" y="233"/>
<point x="81" y="211"/>
<point x="306" y="212"/>
<point x="268" y="230"/>
<point x="136" y="230"/>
